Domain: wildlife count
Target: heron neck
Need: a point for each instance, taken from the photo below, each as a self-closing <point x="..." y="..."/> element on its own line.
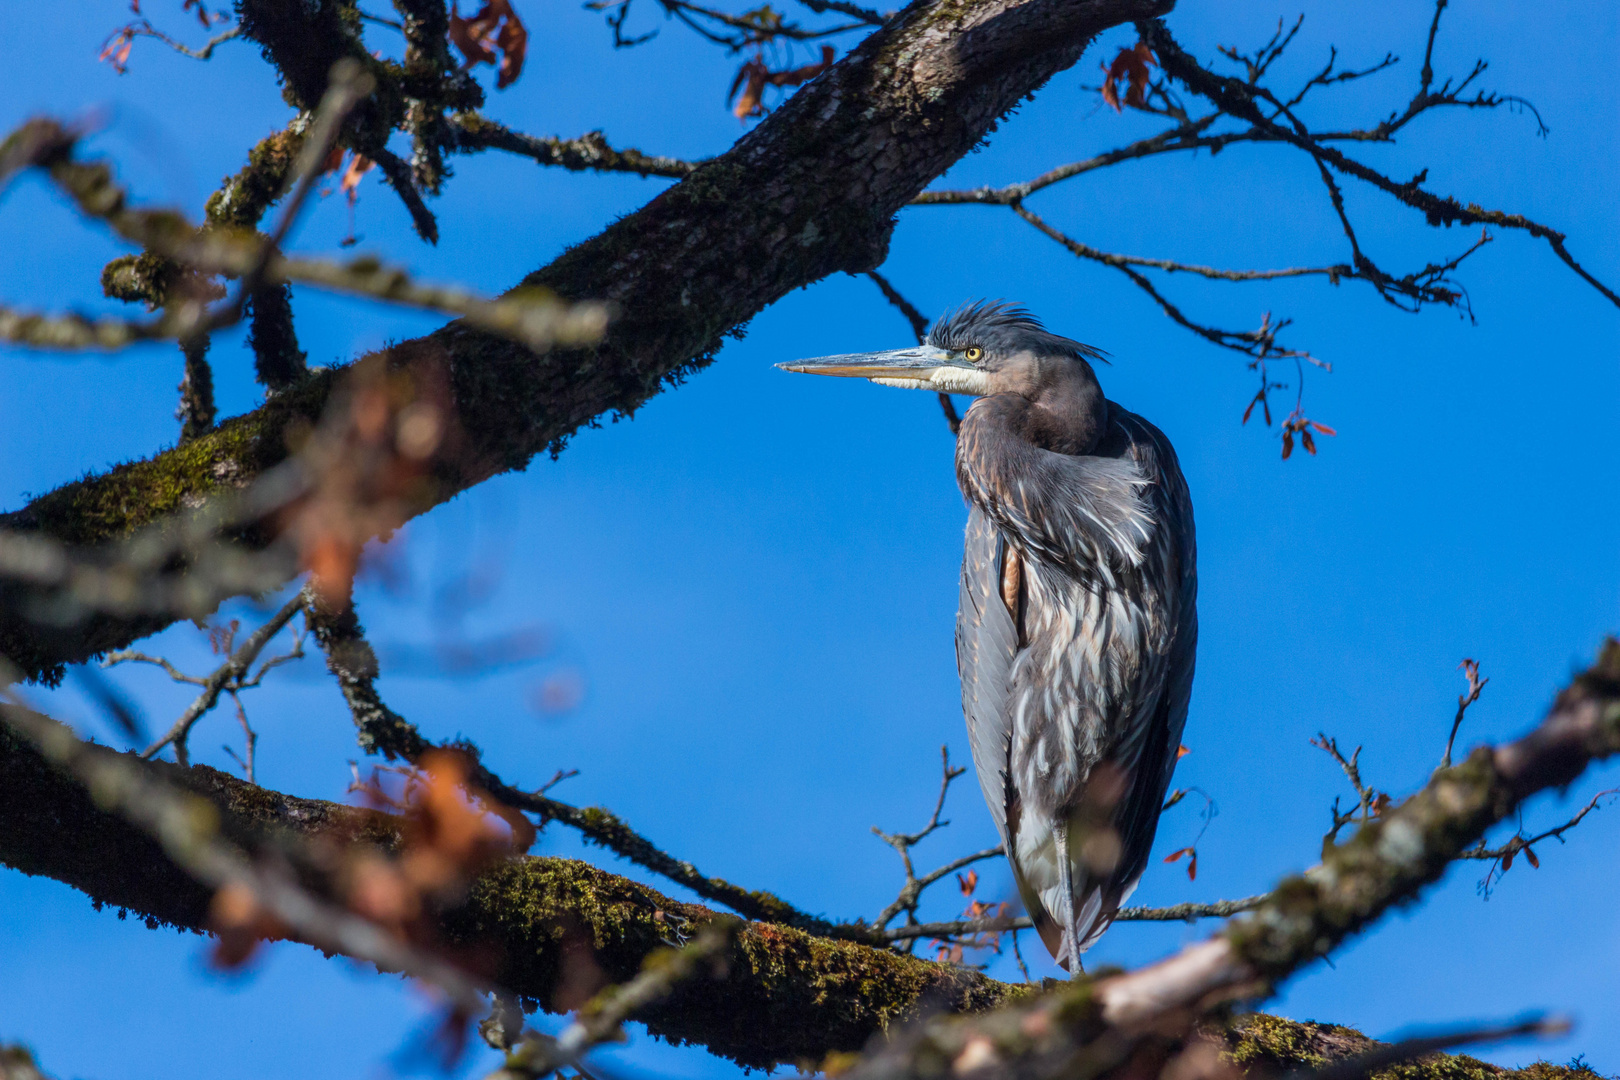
<point x="1067" y="413"/>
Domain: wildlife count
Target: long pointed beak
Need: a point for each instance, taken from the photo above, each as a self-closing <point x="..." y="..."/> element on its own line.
<point x="920" y="367"/>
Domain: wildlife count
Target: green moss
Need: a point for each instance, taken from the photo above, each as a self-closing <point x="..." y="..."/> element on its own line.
<point x="1269" y="1045"/>
<point x="569" y="928"/>
<point x="98" y="509"/>
<point x="242" y="200"/>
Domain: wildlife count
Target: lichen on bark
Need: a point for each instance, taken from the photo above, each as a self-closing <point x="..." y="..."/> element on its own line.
<point x="558" y="928"/>
<point x="809" y="192"/>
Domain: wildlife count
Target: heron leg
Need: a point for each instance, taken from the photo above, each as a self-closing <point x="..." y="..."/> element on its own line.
<point x="1060" y="837"/>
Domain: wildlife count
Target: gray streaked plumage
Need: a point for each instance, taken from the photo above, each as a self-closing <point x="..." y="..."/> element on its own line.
<point x="1077" y="626"/>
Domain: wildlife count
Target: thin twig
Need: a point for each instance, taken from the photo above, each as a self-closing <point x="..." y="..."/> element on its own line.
<point x="1470" y="669"/>
<point x="911" y="891"/>
<point x="1503" y="854"/>
<point x="232" y="671"/>
<point x="590" y="151"/>
<point x="1257" y="344"/>
<point x="1370" y="801"/>
<point x="1219" y="909"/>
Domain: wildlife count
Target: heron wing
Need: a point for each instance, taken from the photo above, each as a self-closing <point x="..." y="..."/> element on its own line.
<point x="1147" y="748"/>
<point x="986" y="642"/>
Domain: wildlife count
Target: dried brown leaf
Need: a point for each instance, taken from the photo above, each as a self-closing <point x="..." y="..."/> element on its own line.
<point x="754" y="76"/>
<point x="493" y="35"/>
<point x="1130" y="65"/>
<point x="359" y="165"/>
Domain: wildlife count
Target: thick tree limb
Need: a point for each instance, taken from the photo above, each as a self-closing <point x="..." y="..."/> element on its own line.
<point x="562" y="928"/>
<point x="811" y="190"/>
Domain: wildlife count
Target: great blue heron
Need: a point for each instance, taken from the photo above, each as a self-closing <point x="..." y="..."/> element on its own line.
<point x="1078" y="620"/>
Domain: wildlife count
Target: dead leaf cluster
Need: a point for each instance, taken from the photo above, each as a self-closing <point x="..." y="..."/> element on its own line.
<point x="1129" y="66"/>
<point x="756" y="75"/>
<point x="370" y="468"/>
<point x="493" y="35"/>
<point x="453" y="831"/>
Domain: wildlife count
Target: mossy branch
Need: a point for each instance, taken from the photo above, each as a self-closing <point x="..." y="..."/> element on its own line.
<point x="588" y="152"/>
<point x="810" y="191"/>
<point x="557" y="925"/>
<point x="788" y="995"/>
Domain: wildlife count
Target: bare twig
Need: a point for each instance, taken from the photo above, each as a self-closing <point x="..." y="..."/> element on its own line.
<point x="750" y="30"/>
<point x="919" y="326"/>
<point x="843" y="7"/>
<point x="250" y="740"/>
<point x="590" y="151"/>
<point x="1470" y="670"/>
<point x="1503" y="854"/>
<point x="1257" y="344"/>
<point x="115" y="48"/>
<point x="399" y="177"/>
<point x="561" y="775"/>
<point x="911" y="891"/>
<point x="1242" y="101"/>
<point x="229" y="677"/>
<point x="918" y="321"/>
<point x="1370" y="801"/>
<point x="1220" y="909"/>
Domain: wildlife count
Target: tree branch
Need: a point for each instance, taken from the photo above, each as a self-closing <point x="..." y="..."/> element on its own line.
<point x="232" y="671"/>
<point x="789" y="995"/>
<point x="810" y="191"/>
<point x="1241" y="100"/>
<point x="1220" y="909"/>
<point x="551" y="922"/>
<point x="588" y="152"/>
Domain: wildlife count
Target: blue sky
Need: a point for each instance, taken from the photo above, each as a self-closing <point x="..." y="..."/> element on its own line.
<point x="755" y="577"/>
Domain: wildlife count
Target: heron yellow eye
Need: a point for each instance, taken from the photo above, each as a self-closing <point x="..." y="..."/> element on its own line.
<point x="973" y="354"/>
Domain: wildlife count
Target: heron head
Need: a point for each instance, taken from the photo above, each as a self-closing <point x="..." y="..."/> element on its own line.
<point x="983" y="348"/>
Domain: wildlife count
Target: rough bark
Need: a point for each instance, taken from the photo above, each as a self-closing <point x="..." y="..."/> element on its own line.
<point x="809" y="192"/>
<point x="559" y="927"/>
